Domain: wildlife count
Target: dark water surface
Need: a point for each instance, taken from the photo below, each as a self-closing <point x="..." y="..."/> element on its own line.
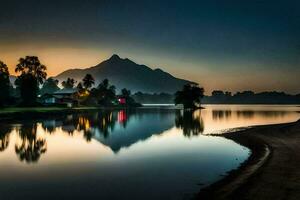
<point x="141" y="154"/>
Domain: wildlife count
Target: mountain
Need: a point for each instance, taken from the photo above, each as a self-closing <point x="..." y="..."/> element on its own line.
<point x="124" y="73"/>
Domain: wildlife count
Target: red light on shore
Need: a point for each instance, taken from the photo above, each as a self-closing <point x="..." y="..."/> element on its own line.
<point x="122" y="100"/>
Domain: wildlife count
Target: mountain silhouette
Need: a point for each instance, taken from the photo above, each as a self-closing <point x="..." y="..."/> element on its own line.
<point x="124" y="73"/>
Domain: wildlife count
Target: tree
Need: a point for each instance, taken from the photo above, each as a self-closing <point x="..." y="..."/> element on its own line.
<point x="33" y="73"/>
<point x="128" y="99"/>
<point x="105" y="93"/>
<point x="32" y="65"/>
<point x="4" y="84"/>
<point x="125" y="92"/>
<point x="69" y="83"/>
<point x="28" y="88"/>
<point x="50" y="86"/>
<point x="190" y="96"/>
<point x="88" y="81"/>
<point x="79" y="86"/>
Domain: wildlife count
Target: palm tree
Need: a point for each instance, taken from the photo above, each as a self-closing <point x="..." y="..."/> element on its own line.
<point x="105" y="93"/>
<point x="126" y="93"/>
<point x="88" y="81"/>
<point x="4" y="83"/>
<point x="69" y="83"/>
<point x="190" y="96"/>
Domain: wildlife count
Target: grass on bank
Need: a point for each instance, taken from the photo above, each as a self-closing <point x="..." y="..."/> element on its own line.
<point x="12" y="110"/>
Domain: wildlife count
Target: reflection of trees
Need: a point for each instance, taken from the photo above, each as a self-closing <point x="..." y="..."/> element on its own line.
<point x="221" y="114"/>
<point x="248" y="114"/>
<point x="4" y="137"/>
<point x="190" y="123"/>
<point x="31" y="147"/>
<point x="104" y="121"/>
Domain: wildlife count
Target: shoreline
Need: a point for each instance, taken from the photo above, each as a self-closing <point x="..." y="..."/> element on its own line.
<point x="270" y="172"/>
<point x="45" y="112"/>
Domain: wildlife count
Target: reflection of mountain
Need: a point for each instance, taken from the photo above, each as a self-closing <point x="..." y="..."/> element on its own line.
<point x="138" y="128"/>
<point x="115" y="129"/>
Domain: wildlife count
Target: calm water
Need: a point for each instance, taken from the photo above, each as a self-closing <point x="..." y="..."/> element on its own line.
<point x="142" y="154"/>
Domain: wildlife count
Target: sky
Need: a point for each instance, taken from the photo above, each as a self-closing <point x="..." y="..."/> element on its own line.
<point x="230" y="45"/>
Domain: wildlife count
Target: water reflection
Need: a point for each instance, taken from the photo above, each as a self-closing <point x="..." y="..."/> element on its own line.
<point x="247" y="114"/>
<point x="190" y="122"/>
<point x="30" y="147"/>
<point x="107" y="127"/>
<point x="124" y="128"/>
<point x="4" y="137"/>
<point x="221" y="114"/>
<point x="128" y="151"/>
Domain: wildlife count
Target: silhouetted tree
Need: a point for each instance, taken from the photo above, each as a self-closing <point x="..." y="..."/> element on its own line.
<point x="125" y="92"/>
<point x="105" y="93"/>
<point x="69" y="83"/>
<point x="88" y="81"/>
<point x="4" y="84"/>
<point x="50" y="86"/>
<point x="190" y="96"/>
<point x="33" y="73"/>
<point x="79" y="86"/>
<point x="129" y="100"/>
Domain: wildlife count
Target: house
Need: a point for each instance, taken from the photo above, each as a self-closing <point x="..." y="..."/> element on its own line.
<point x="121" y="99"/>
<point x="68" y="97"/>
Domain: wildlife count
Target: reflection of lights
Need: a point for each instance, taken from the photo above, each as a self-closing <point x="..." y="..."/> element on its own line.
<point x="87" y="125"/>
<point x="84" y="123"/>
<point x="122" y="116"/>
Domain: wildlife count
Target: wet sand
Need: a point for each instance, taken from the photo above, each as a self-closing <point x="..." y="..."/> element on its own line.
<point x="271" y="172"/>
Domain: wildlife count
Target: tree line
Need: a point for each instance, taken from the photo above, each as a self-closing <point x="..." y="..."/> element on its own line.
<point x="31" y="74"/>
<point x="31" y="83"/>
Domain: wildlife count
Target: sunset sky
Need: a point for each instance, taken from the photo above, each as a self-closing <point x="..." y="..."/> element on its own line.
<point x="230" y="45"/>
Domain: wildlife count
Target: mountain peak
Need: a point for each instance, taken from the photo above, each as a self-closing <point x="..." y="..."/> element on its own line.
<point x="159" y="70"/>
<point x="124" y="73"/>
<point x="115" y="57"/>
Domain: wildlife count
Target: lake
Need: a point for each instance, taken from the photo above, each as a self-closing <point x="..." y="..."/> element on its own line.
<point x="145" y="153"/>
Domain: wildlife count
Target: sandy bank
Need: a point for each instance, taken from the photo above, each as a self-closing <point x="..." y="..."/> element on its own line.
<point x="271" y="172"/>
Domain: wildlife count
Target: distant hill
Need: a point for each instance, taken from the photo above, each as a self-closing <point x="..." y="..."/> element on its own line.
<point x="124" y="73"/>
<point x="220" y="97"/>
